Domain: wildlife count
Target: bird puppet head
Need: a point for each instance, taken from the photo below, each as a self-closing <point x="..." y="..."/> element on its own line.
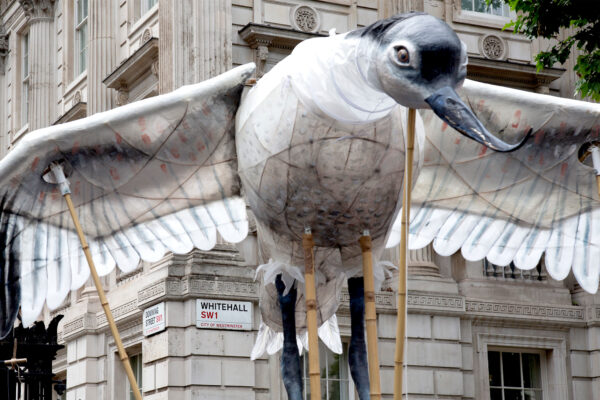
<point x="419" y="61"/>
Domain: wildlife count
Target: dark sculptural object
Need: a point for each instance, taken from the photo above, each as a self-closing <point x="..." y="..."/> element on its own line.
<point x="39" y="346"/>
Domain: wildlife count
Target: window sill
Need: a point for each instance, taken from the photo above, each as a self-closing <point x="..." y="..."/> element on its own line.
<point x="75" y="83"/>
<point x="20" y="133"/>
<point x="481" y="19"/>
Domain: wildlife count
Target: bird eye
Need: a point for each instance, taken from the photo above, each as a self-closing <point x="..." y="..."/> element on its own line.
<point x="403" y="56"/>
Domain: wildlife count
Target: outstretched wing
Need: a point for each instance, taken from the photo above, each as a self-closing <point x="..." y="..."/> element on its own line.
<point x="512" y="207"/>
<point x="152" y="176"/>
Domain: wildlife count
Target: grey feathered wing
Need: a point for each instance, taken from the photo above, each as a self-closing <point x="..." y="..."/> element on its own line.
<point x="512" y="207"/>
<point x="154" y="176"/>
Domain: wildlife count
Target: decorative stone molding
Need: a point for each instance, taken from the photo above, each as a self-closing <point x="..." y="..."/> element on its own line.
<point x="263" y="37"/>
<point x="3" y="48"/>
<point x="123" y="277"/>
<point x="76" y="98"/>
<point x="130" y="331"/>
<point x="119" y="312"/>
<point x="383" y="300"/>
<point x="38" y="9"/>
<point x="122" y="95"/>
<point x="197" y="286"/>
<point x="493" y="47"/>
<point x="429" y="302"/>
<point x="526" y="310"/>
<point x="280" y="38"/>
<point x="305" y="18"/>
<point x="502" y="72"/>
<point x="155" y="68"/>
<point x="263" y="52"/>
<point x="80" y="325"/>
<point x="141" y="65"/>
<point x="77" y="111"/>
<point x="146" y="36"/>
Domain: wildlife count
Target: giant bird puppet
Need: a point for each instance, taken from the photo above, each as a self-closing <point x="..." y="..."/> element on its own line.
<point x="317" y="148"/>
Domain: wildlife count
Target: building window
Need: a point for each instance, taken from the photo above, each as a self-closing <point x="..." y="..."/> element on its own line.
<point x="146" y="5"/>
<point x="497" y="7"/>
<point x="515" y="375"/>
<point x="81" y="35"/>
<point x="335" y="382"/>
<point x="24" y="78"/>
<point x="136" y="366"/>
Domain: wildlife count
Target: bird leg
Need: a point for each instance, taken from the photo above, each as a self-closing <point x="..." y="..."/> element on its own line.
<point x="357" y="352"/>
<point x="290" y="358"/>
<point x="370" y="315"/>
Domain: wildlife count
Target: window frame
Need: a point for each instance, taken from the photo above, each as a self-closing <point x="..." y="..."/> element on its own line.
<point x="520" y="351"/>
<point x="324" y="353"/>
<point x="24" y="79"/>
<point x="481" y="19"/>
<point x="140" y="11"/>
<point x="555" y="374"/>
<point x="145" y="6"/>
<point x="509" y="13"/>
<point x="138" y="373"/>
<point x="80" y="26"/>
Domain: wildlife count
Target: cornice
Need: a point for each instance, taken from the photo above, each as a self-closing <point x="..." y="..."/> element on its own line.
<point x="38" y="9"/>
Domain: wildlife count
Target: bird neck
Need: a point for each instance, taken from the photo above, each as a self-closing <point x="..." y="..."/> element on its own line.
<point x="337" y="76"/>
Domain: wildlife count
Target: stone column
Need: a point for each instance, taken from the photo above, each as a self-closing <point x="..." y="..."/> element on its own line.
<point x="387" y="8"/>
<point x="195" y="41"/>
<point x="40" y="15"/>
<point x="4" y="135"/>
<point x="420" y="262"/>
<point x="101" y="53"/>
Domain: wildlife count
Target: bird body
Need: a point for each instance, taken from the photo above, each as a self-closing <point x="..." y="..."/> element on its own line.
<point x="331" y="161"/>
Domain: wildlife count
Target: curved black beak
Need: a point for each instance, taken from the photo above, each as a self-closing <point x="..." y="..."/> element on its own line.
<point x="447" y="105"/>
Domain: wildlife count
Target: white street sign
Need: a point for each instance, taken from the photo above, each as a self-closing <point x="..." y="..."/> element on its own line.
<point x="154" y="319"/>
<point x="223" y="314"/>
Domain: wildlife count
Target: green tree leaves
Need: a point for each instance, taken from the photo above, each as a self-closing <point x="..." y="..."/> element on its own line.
<point x="574" y="24"/>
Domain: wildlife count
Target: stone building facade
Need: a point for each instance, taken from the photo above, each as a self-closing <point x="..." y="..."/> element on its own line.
<point x="469" y="324"/>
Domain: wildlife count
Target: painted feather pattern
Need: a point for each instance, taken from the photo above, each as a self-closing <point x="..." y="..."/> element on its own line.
<point x="155" y="176"/>
<point x="512" y="207"/>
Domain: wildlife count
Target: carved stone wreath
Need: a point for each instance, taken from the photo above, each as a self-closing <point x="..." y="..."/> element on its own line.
<point x="492" y="47"/>
<point x="146" y="36"/>
<point x="305" y="18"/>
<point x="76" y="98"/>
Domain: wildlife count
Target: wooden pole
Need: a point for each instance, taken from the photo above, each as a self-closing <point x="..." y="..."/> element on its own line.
<point x="370" y="316"/>
<point x="14" y="361"/>
<point x="401" y="320"/>
<point x="109" y="317"/>
<point x="311" y="316"/>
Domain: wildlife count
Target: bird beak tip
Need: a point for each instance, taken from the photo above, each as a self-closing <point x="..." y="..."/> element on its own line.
<point x="448" y="106"/>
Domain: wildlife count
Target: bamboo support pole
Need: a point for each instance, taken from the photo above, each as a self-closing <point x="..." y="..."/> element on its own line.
<point x="311" y="316"/>
<point x="370" y="316"/>
<point x="401" y="320"/>
<point x="109" y="317"/>
<point x="14" y="361"/>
